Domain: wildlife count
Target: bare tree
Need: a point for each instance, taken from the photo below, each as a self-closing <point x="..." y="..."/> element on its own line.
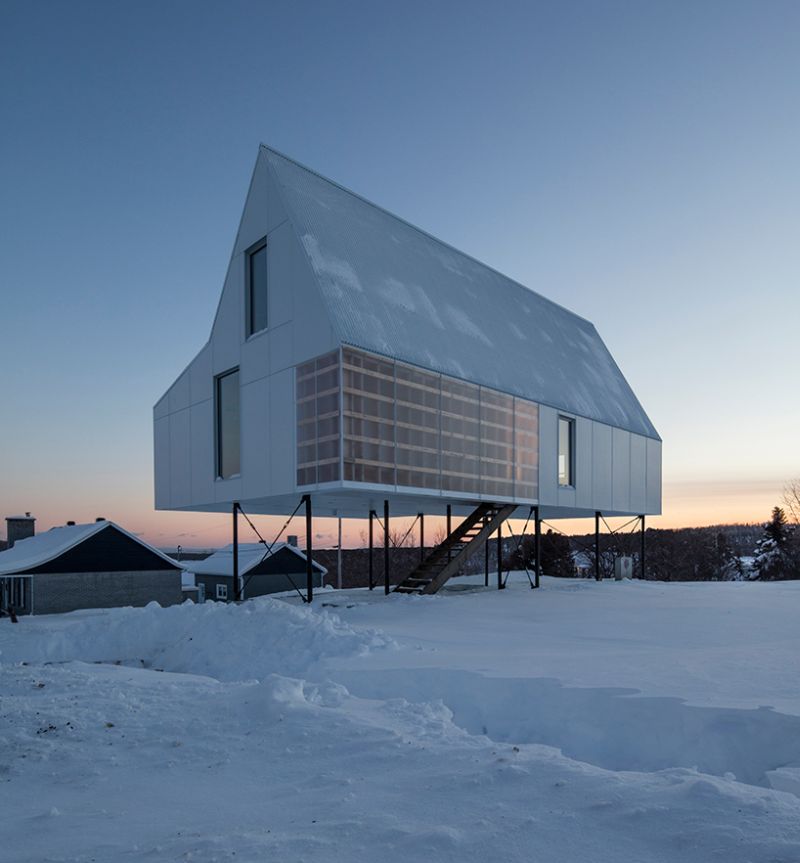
<point x="791" y="499"/>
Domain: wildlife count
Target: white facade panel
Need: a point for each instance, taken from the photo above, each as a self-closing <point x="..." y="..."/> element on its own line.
<point x="179" y="393"/>
<point x="227" y="490"/>
<point x="279" y="275"/>
<point x="202" y="452"/>
<point x="255" y="438"/>
<point x="602" y="457"/>
<point x="282" y="432"/>
<point x="161" y="461"/>
<point x="621" y="466"/>
<point x="180" y="466"/>
<point x="280" y="348"/>
<point x="638" y="499"/>
<point x="228" y="335"/>
<point x="255" y="362"/>
<point x="201" y="377"/>
<point x="161" y="408"/>
<point x="653" y="476"/>
<point x="584" y="429"/>
<point x="548" y="456"/>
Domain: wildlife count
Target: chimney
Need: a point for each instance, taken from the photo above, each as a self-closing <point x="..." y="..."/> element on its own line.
<point x="99" y="518"/>
<point x="292" y="540"/>
<point x="70" y="524"/>
<point x="19" y="527"/>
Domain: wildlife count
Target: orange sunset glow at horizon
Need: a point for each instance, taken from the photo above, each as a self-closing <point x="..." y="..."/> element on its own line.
<point x="692" y="503"/>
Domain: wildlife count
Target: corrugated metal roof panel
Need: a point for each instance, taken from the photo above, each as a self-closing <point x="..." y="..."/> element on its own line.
<point x="395" y="290"/>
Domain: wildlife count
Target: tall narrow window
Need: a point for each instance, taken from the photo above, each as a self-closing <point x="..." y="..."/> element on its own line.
<point x="228" y="431"/>
<point x="256" y="277"/>
<point x="566" y="437"/>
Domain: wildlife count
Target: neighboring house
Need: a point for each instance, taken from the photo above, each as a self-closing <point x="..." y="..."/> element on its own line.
<point x="358" y="361"/>
<point x="584" y="564"/>
<point x="96" y="565"/>
<point x="284" y="568"/>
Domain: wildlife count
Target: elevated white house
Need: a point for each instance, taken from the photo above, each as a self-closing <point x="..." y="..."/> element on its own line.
<point x="364" y="363"/>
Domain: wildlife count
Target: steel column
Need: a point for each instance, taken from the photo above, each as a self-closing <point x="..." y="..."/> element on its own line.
<point x="371" y="523"/>
<point x="537" y="547"/>
<point x="422" y="537"/>
<point x="449" y="526"/>
<point x="339" y="557"/>
<point x="386" y="547"/>
<point x="500" y="584"/>
<point x="642" y="564"/>
<point x="597" y="575"/>
<point x="486" y="572"/>
<point x="309" y="552"/>
<point x="236" y="551"/>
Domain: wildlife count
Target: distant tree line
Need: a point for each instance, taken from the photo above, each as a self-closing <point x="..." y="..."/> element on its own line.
<point x="766" y="552"/>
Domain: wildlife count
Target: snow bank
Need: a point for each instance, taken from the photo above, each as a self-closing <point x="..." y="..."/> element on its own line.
<point x="228" y="642"/>
<point x="615" y="729"/>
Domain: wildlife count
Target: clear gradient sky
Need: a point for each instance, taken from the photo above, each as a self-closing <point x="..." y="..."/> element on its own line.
<point x="635" y="161"/>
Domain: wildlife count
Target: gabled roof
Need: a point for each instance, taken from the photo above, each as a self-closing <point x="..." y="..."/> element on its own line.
<point x="250" y="555"/>
<point x="392" y="289"/>
<point x="37" y="550"/>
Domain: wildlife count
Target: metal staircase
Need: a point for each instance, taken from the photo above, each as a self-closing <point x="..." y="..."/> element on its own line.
<point x="445" y="560"/>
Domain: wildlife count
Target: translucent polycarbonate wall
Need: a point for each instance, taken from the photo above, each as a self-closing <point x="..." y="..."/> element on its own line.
<point x="318" y="420"/>
<point x="405" y="426"/>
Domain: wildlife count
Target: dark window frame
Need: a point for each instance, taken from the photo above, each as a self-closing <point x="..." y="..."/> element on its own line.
<point x="570" y="466"/>
<point x="218" y="450"/>
<point x="250" y="329"/>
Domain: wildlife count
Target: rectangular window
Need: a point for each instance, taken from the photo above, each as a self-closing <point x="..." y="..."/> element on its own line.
<point x="228" y="424"/>
<point x="256" y="278"/>
<point x="566" y="439"/>
<point x="222" y="591"/>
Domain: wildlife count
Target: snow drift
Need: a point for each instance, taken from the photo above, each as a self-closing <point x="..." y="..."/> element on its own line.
<point x="228" y="642"/>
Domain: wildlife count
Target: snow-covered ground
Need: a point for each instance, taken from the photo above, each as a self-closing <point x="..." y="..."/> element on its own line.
<point x="581" y="722"/>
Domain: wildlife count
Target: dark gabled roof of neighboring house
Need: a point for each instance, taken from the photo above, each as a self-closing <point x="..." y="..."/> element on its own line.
<point x="101" y="546"/>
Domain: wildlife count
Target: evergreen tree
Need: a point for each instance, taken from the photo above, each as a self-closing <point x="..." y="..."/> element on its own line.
<point x="773" y="557"/>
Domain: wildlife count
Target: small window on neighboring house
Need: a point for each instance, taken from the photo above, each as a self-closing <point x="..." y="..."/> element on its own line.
<point x="228" y="431"/>
<point x="256" y="287"/>
<point x="222" y="591"/>
<point x="566" y="439"/>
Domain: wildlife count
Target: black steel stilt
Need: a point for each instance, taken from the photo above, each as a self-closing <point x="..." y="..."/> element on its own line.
<point x="421" y="537"/>
<point x="537" y="547"/>
<point x="642" y="564"/>
<point x="371" y="570"/>
<point x="486" y="570"/>
<point x="597" y="575"/>
<point x="309" y="552"/>
<point x="386" y="547"/>
<point x="500" y="584"/>
<point x="236" y="590"/>
<point x="449" y="526"/>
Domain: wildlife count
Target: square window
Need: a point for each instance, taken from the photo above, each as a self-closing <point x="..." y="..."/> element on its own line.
<point x="256" y="287"/>
<point x="222" y="591"/>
